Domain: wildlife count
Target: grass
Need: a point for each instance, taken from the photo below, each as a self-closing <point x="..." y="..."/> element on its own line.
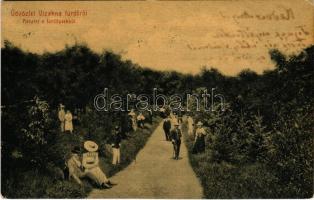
<point x="226" y="180"/>
<point x="33" y="183"/>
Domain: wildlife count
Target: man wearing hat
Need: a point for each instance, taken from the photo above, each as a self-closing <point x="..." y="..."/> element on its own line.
<point x="176" y="140"/>
<point x="90" y="162"/>
<point x="61" y="116"/>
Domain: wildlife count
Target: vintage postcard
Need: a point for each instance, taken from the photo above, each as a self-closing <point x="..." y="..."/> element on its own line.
<point x="157" y="99"/>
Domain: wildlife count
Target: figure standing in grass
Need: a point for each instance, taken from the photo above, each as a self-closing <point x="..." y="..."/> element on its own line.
<point x="133" y="118"/>
<point x="190" y="125"/>
<point x="199" y="143"/>
<point x="61" y="116"/>
<point x="176" y="140"/>
<point x="68" y="122"/>
<point x="115" y="144"/>
<point x="140" y="120"/>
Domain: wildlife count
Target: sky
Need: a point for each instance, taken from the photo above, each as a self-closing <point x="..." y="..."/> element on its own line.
<point x="170" y="35"/>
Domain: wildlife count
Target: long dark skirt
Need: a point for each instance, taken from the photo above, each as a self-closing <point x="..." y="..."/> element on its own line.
<point x="199" y="146"/>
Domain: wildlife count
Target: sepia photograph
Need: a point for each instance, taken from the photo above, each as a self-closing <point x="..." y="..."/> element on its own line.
<point x="157" y="99"/>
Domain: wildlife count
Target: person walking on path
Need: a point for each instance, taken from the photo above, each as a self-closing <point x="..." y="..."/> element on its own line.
<point x="90" y="163"/>
<point x="61" y="116"/>
<point x="167" y="127"/>
<point x="174" y="119"/>
<point x="190" y="125"/>
<point x="199" y="143"/>
<point x="176" y="140"/>
<point x="115" y="144"/>
<point x="68" y="122"/>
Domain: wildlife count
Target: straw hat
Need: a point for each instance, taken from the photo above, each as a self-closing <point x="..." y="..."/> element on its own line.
<point x="90" y="146"/>
<point x="199" y="123"/>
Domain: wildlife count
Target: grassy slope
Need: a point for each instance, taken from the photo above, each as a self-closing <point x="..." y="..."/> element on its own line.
<point x="224" y="180"/>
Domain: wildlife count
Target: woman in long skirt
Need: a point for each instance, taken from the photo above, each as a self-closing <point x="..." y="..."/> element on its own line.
<point x="90" y="163"/>
<point x="199" y="143"/>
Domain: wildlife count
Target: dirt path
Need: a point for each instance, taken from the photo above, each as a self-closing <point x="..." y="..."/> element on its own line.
<point x="155" y="174"/>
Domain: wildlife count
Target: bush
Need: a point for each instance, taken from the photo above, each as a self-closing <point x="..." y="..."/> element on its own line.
<point x="223" y="180"/>
<point x="66" y="189"/>
<point x="34" y="184"/>
<point x="291" y="153"/>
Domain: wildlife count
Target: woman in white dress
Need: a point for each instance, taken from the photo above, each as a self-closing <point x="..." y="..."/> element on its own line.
<point x="90" y="163"/>
<point x="133" y="117"/>
<point x="190" y="125"/>
<point x="68" y="122"/>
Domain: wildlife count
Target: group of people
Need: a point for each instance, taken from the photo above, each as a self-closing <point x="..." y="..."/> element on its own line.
<point x="172" y="130"/>
<point x="136" y="120"/>
<point x="87" y="165"/>
<point x="65" y="118"/>
<point x="171" y="126"/>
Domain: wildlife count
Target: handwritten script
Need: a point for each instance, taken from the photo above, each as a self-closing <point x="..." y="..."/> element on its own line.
<point x="255" y="31"/>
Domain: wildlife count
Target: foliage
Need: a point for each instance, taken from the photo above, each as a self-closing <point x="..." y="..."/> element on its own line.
<point x="259" y="145"/>
<point x="262" y="145"/>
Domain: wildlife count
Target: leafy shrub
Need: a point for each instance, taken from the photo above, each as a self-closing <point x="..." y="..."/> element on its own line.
<point x="291" y="153"/>
<point x="66" y="189"/>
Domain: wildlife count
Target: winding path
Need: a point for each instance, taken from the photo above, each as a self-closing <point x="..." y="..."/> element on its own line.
<point x="155" y="174"/>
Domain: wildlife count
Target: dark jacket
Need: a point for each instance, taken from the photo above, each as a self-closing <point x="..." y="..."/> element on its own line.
<point x="116" y="140"/>
<point x="167" y="125"/>
<point x="126" y="125"/>
<point x="176" y="135"/>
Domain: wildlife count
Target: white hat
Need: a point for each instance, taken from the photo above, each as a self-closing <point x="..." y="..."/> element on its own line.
<point x="61" y="105"/>
<point x="90" y="146"/>
<point x="199" y="123"/>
